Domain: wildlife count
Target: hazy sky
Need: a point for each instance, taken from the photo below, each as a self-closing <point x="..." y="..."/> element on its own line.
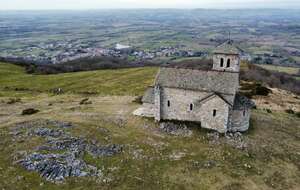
<point x="112" y="4"/>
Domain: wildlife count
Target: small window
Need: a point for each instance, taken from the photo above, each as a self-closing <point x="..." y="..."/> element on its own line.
<point x="244" y="112"/>
<point x="214" y="113"/>
<point x="228" y="63"/>
<point x="169" y="103"/>
<point x="222" y="62"/>
<point x="191" y="107"/>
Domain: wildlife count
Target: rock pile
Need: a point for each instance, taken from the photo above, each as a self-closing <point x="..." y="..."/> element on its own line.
<point x="42" y="123"/>
<point x="213" y="137"/>
<point x="235" y="140"/>
<point x="56" y="167"/>
<point x="68" y="163"/>
<point x="175" y="129"/>
<point x="46" y="132"/>
<point x="72" y="144"/>
<point x="107" y="150"/>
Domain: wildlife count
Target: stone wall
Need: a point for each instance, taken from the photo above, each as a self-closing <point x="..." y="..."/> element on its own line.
<point x="234" y="62"/>
<point x="157" y="103"/>
<point x="146" y="110"/>
<point x="179" y="108"/>
<point x="239" y="120"/>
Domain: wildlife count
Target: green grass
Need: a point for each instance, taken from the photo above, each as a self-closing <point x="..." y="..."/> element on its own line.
<point x="272" y="147"/>
<point x="104" y="82"/>
<point x="289" y="70"/>
<point x="272" y="151"/>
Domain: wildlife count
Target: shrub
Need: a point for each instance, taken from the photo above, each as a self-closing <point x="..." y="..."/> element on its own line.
<point x="269" y="111"/>
<point x="85" y="101"/>
<point x="13" y="100"/>
<point x="85" y="64"/>
<point x="138" y="100"/>
<point x="253" y="89"/>
<point x="29" y="111"/>
<point x="290" y="111"/>
<point x="262" y="91"/>
<point x="271" y="78"/>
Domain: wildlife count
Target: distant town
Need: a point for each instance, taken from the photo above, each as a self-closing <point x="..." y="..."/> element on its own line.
<point x="62" y="52"/>
<point x="68" y="52"/>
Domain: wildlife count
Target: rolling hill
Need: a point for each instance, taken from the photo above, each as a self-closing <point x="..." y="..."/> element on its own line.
<point x="266" y="157"/>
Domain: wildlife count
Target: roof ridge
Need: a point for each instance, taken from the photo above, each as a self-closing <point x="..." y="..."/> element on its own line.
<point x="224" y="99"/>
<point x="226" y="41"/>
<point x="227" y="47"/>
<point x="201" y="70"/>
<point x="212" y="95"/>
<point x="206" y="97"/>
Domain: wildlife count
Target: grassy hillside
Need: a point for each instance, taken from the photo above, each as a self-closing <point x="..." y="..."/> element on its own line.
<point x="104" y="82"/>
<point x="266" y="157"/>
<point x="152" y="159"/>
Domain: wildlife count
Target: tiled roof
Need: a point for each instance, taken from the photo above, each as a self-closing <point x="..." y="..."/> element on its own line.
<point x="227" y="47"/>
<point x="242" y="102"/>
<point x="210" y="81"/>
<point x="213" y="95"/>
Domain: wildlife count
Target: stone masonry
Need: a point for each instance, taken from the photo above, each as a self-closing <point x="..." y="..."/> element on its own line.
<point x="209" y="98"/>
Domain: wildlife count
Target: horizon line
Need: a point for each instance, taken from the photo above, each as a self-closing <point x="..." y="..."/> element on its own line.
<point x="95" y="9"/>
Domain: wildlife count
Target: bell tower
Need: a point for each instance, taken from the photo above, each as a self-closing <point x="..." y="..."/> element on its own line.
<point x="226" y="57"/>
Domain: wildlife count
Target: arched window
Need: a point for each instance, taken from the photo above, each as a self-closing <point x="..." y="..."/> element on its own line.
<point x="222" y="62"/>
<point x="191" y="107"/>
<point x="228" y="62"/>
<point x="244" y="112"/>
<point x="169" y="103"/>
<point x="214" y="113"/>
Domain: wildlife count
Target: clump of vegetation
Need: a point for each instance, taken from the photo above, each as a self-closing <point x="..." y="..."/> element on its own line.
<point x="84" y="64"/>
<point x="271" y="78"/>
<point x="85" y="101"/>
<point x="30" y="111"/>
<point x="290" y="111"/>
<point x="253" y="89"/>
<point x="13" y="100"/>
<point x="276" y="180"/>
<point x="138" y="100"/>
<point x="262" y="91"/>
<point x="269" y="111"/>
<point x="57" y="91"/>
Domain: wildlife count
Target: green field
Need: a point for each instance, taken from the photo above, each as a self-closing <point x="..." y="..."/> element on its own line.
<point x="151" y="158"/>
<point x="104" y="82"/>
<point x="288" y="70"/>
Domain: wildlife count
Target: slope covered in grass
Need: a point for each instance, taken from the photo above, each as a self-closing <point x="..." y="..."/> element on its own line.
<point x="267" y="157"/>
<point x="104" y="82"/>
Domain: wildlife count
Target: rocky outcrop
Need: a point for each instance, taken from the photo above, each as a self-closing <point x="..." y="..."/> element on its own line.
<point x="69" y="161"/>
<point x="179" y="129"/>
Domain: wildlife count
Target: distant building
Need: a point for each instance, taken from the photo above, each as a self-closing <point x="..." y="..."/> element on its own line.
<point x="209" y="98"/>
<point x="121" y="47"/>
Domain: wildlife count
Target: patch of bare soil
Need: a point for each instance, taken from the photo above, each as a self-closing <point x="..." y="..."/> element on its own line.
<point x="278" y="100"/>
